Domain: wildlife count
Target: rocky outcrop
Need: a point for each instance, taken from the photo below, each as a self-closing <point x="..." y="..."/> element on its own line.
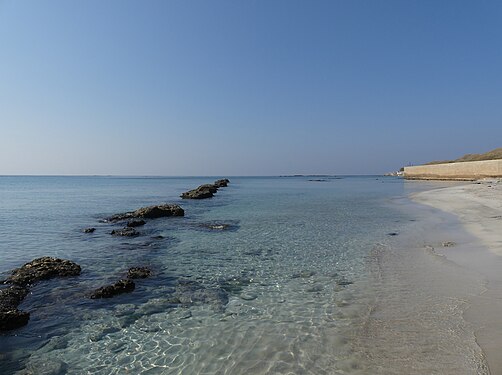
<point x="222" y="183"/>
<point x="205" y="191"/>
<point x="139" y="273"/>
<point x="125" y="232"/>
<point x="150" y="212"/>
<point x="108" y="291"/>
<point x="42" y="269"/>
<point x="202" y="192"/>
<point x="10" y="316"/>
<point x="21" y="278"/>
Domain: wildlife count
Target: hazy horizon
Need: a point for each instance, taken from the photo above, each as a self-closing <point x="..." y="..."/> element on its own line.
<point x="261" y="88"/>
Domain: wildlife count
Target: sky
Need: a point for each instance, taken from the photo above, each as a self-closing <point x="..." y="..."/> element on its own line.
<point x="250" y="87"/>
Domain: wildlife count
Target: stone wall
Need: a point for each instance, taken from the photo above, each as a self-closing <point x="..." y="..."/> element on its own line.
<point x="471" y="170"/>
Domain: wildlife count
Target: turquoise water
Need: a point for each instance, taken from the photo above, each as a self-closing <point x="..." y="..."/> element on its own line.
<point x="296" y="269"/>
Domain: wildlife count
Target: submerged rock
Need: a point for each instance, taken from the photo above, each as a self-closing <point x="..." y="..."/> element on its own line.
<point x="135" y="223"/>
<point x="189" y="292"/>
<point x="42" y="269"/>
<point x="10" y="316"/>
<point x="139" y="273"/>
<point x="121" y="286"/>
<point x="13" y="319"/>
<point x="125" y="232"/>
<point x="150" y="212"/>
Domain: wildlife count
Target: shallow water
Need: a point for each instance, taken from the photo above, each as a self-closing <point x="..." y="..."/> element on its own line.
<point x="305" y="280"/>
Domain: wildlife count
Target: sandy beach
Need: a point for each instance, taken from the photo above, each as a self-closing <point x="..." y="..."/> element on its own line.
<point x="478" y="206"/>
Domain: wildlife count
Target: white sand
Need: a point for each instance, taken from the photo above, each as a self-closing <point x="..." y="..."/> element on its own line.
<point x="479" y="208"/>
<point x="478" y="205"/>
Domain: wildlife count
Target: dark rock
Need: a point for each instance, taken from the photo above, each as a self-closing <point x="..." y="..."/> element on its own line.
<point x="135" y="223"/>
<point x="154" y="212"/>
<point x="13" y="319"/>
<point x="189" y="292"/>
<point x="89" y="230"/>
<point x="222" y="183"/>
<point x="10" y="316"/>
<point x="11" y="297"/>
<point x="139" y="273"/>
<point x="150" y="212"/>
<point x="121" y="286"/>
<point x="125" y="232"/>
<point x="202" y="192"/>
<point x="42" y="269"/>
<point x="392" y="234"/>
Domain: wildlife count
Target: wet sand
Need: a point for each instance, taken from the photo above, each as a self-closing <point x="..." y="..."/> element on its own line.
<point x="479" y="207"/>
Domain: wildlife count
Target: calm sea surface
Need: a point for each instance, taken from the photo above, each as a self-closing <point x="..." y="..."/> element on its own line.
<point x="310" y="277"/>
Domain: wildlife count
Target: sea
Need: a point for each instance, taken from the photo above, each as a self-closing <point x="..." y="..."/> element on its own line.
<point x="278" y="275"/>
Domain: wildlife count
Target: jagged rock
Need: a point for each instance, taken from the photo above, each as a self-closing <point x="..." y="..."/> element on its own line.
<point x="89" y="230"/>
<point x="42" y="269"/>
<point x="10" y="316"/>
<point x="139" y="273"/>
<point x="121" y="286"/>
<point x="222" y="183"/>
<point x="135" y="223"/>
<point x="150" y="212"/>
<point x="125" y="232"/>
<point x="202" y="192"/>
<point x="205" y="191"/>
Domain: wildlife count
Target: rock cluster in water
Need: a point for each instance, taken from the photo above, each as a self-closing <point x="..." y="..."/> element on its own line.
<point x="21" y="279"/>
<point x="186" y="292"/>
<point x="206" y="190"/>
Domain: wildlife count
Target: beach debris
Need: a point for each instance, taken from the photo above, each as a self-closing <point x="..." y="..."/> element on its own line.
<point x="43" y="269"/>
<point x="135" y="223"/>
<point x="205" y="191"/>
<point x="108" y="291"/>
<point x="89" y="230"/>
<point x="139" y="273"/>
<point x="448" y="244"/>
<point x="10" y="316"/>
<point x="150" y="212"/>
<point x="125" y="232"/>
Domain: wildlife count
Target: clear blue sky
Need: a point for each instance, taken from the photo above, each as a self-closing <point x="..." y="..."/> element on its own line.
<point x="246" y="87"/>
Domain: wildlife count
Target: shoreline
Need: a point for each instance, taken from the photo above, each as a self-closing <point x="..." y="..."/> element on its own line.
<point x="478" y="207"/>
